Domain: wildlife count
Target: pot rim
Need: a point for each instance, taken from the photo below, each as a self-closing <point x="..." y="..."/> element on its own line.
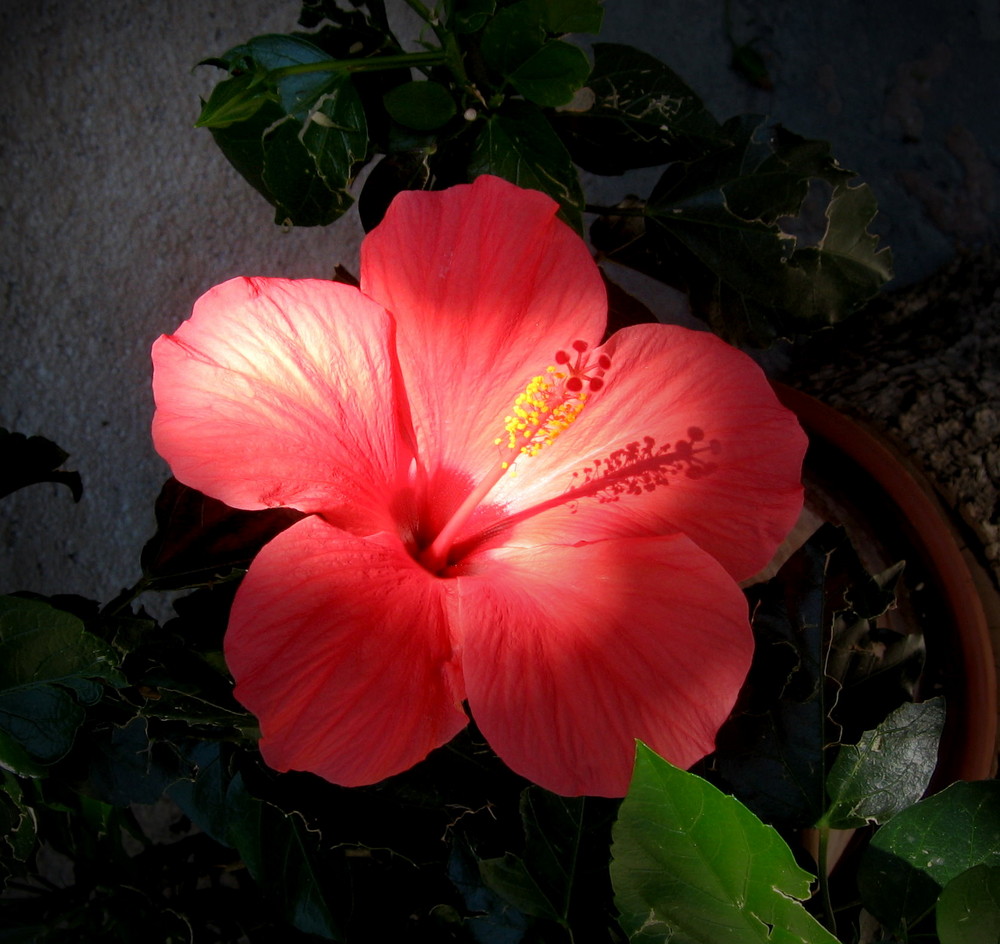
<point x="975" y="756"/>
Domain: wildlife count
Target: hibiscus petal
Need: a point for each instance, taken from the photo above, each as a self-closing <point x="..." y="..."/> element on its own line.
<point x="486" y="284"/>
<point x="686" y="435"/>
<point x="570" y="653"/>
<point x="340" y="646"/>
<point x="280" y="392"/>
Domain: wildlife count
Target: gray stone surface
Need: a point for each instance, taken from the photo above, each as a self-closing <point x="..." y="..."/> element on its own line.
<point x="116" y="213"/>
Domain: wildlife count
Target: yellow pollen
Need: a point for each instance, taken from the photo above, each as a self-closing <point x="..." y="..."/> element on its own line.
<point x="539" y="414"/>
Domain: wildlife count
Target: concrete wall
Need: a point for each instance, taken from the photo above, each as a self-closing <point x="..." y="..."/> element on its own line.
<point x="116" y="213"/>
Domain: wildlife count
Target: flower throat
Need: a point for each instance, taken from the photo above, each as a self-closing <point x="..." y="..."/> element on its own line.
<point x="549" y="404"/>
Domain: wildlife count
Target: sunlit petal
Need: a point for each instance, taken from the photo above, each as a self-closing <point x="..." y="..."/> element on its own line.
<point x="685" y="435"/>
<point x="573" y="652"/>
<point x="486" y="284"/>
<point x="279" y="392"/>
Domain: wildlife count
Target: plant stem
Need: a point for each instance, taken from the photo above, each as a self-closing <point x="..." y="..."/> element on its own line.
<point x="371" y="64"/>
<point x="829" y="919"/>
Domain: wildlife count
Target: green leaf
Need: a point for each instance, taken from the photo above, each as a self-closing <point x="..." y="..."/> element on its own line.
<point x="887" y="770"/>
<point x="518" y="144"/>
<point x="921" y="849"/>
<point x="968" y="911"/>
<point x="235" y="99"/>
<point x="691" y="864"/>
<point x="27" y="461"/>
<point x="642" y="115"/>
<point x="518" y="45"/>
<point x="47" y="666"/>
<point x="422" y="106"/>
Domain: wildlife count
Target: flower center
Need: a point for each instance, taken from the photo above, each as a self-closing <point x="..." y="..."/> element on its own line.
<point x="548" y="405"/>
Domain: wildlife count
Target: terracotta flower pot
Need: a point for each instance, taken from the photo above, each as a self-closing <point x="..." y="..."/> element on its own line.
<point x="856" y="478"/>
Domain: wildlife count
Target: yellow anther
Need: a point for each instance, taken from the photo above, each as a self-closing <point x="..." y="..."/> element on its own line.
<point x="540" y="413"/>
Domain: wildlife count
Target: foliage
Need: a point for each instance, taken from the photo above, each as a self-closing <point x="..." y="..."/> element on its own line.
<point x="500" y="89"/>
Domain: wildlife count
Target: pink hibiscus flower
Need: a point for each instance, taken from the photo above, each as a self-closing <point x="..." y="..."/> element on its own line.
<point x="501" y="510"/>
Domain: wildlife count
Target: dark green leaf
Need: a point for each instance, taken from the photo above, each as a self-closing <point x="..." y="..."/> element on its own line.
<point x="541" y="882"/>
<point x="887" y="770"/>
<point x="692" y="864"/>
<point x="471" y="16"/>
<point x="405" y="170"/>
<point x="203" y="797"/>
<point x="48" y="664"/>
<point x="847" y="268"/>
<point x="26" y="461"/>
<point x="493" y="919"/>
<point x="559" y="17"/>
<point x="623" y="308"/>
<point x="518" y="144"/>
<point x="771" y="751"/>
<point x="124" y="766"/>
<point x="551" y="75"/>
<point x="281" y="854"/>
<point x="297" y="138"/>
<point x="291" y="174"/>
<point x="422" y="106"/>
<point x="510" y="878"/>
<point x="968" y="911"/>
<point x="179" y="672"/>
<point x="18" y="833"/>
<point x="517" y="44"/>
<point x="561" y="875"/>
<point x="200" y="540"/>
<point x="720" y="226"/>
<point x="921" y="849"/>
<point x="335" y="134"/>
<point x="297" y="93"/>
<point x="642" y="115"/>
